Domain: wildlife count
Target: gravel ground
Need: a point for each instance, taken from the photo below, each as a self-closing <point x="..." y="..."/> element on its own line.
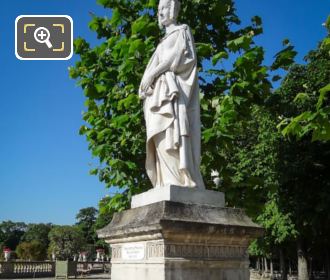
<point x="92" y="276"/>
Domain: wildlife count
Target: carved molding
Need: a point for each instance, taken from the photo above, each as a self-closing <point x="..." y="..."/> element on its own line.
<point x="155" y="250"/>
<point x="199" y="251"/>
<point x="205" y="251"/>
<point x="116" y="252"/>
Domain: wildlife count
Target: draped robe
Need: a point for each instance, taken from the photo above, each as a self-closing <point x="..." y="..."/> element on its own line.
<point x="172" y="114"/>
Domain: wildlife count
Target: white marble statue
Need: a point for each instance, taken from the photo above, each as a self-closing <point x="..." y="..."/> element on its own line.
<point x="170" y="92"/>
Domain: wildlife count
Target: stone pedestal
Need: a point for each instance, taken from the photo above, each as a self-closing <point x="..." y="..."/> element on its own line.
<point x="179" y="194"/>
<point x="169" y="240"/>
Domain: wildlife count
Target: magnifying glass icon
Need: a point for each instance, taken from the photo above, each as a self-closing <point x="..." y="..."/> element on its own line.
<point x="42" y="35"/>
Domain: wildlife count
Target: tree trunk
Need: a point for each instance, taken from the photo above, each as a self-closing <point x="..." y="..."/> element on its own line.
<point x="327" y="259"/>
<point x="271" y="268"/>
<point x="310" y="270"/>
<point x="258" y="264"/>
<point x="283" y="269"/>
<point x="302" y="262"/>
<point x="290" y="269"/>
<point x="266" y="265"/>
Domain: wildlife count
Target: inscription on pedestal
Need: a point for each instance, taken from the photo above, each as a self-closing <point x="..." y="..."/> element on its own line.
<point x="133" y="252"/>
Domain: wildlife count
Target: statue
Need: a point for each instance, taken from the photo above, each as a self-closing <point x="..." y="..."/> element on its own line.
<point x="170" y="94"/>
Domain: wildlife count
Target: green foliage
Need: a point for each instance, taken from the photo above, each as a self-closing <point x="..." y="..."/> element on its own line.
<point x="313" y="112"/>
<point x="278" y="225"/>
<point x="34" y="251"/>
<point x="105" y="213"/>
<point x="240" y="43"/>
<point x="37" y="232"/>
<point x="313" y="119"/>
<point x="11" y="233"/>
<point x="86" y="223"/>
<point x="285" y="57"/>
<point x="66" y="241"/>
<point x="249" y="172"/>
<point x="32" y="241"/>
<point x="217" y="57"/>
<point x="86" y="216"/>
<point x="317" y="122"/>
<point x="256" y="248"/>
<point x="303" y="191"/>
<point x="110" y="75"/>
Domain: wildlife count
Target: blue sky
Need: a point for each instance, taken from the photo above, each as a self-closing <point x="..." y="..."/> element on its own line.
<point x="44" y="162"/>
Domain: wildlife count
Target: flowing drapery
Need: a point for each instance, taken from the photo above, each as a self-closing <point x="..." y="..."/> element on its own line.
<point x="172" y="114"/>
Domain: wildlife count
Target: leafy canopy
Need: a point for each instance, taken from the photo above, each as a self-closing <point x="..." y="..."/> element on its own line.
<point x="37" y="232"/>
<point x="86" y="219"/>
<point x="110" y="74"/>
<point x="11" y="234"/>
<point x="34" y="251"/>
<point x="66" y="241"/>
<point x="313" y="119"/>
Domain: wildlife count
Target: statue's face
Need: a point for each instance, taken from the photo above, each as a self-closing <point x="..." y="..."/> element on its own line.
<point x="164" y="8"/>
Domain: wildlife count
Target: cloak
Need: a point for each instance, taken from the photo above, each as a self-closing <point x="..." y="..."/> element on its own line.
<point x="171" y="107"/>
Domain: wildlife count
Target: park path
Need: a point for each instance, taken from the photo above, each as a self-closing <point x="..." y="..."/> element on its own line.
<point x="92" y="276"/>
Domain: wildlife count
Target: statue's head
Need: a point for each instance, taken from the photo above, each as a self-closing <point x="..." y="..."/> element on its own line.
<point x="168" y="11"/>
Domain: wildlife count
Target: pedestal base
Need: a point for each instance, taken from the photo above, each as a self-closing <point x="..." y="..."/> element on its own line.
<point x="179" y="270"/>
<point x="176" y="241"/>
<point x="179" y="194"/>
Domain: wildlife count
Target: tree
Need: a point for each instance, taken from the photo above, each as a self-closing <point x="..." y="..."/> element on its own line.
<point x="11" y="234"/>
<point x="315" y="120"/>
<point x="66" y="241"/>
<point x="37" y="232"/>
<point x="86" y="223"/>
<point x="105" y="213"/>
<point x="304" y="160"/>
<point x="250" y="177"/>
<point x="111" y="72"/>
<point x="104" y="217"/>
<point x="280" y="231"/>
<point x="34" y="250"/>
<point x="252" y="182"/>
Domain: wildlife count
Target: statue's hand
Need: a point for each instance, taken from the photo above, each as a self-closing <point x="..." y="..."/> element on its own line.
<point x="147" y="82"/>
<point x="142" y="95"/>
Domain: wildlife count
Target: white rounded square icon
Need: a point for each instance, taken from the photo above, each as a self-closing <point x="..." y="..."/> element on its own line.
<point x="44" y="37"/>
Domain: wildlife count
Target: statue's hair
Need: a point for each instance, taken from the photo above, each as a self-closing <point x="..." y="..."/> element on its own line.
<point x="174" y="9"/>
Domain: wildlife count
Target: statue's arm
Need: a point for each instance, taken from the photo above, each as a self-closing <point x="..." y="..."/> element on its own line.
<point x="173" y="56"/>
<point x="154" y="72"/>
<point x="151" y="65"/>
